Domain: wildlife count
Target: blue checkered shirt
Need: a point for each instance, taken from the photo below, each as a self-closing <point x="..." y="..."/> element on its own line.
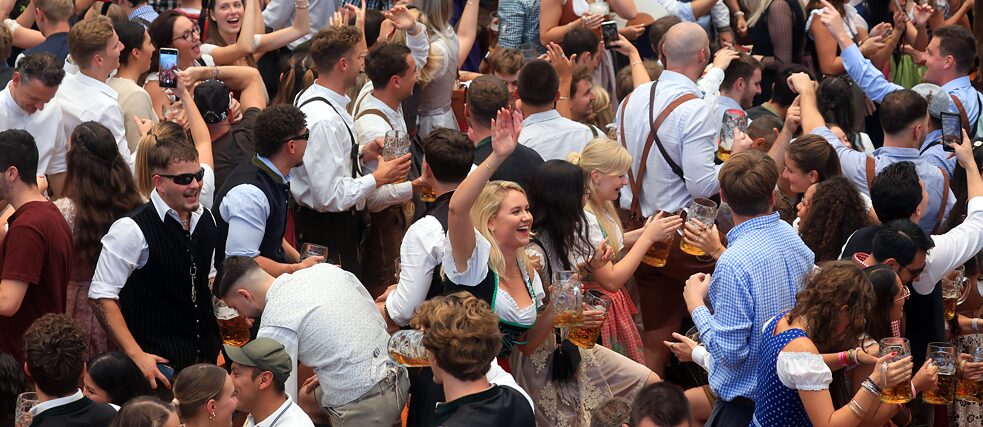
<point x="756" y="278"/>
<point x="369" y="4"/>
<point x="144" y="12"/>
<point x="518" y="25"/>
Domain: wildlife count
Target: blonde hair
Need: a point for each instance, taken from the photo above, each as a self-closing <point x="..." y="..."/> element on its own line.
<point x="438" y="14"/>
<point x="608" y="157"/>
<point x="143" y="172"/>
<point x="435" y="56"/>
<point x="194" y="386"/>
<point x="88" y="38"/>
<point x="486" y="207"/>
<point x="601" y="114"/>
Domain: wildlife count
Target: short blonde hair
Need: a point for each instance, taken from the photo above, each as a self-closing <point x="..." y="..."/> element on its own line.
<point x="487" y="206"/>
<point x="461" y="331"/>
<point x="6" y="42"/>
<point x="608" y="157"/>
<point x="56" y="10"/>
<point x="88" y="38"/>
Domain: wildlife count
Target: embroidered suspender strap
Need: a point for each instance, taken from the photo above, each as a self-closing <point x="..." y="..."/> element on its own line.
<point x="945" y="199"/>
<point x="871" y="173"/>
<point x="962" y="114"/>
<point x="356" y="171"/>
<point x="374" y="112"/>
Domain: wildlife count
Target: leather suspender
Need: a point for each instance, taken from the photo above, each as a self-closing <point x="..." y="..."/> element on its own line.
<point x="356" y="170"/>
<point x="945" y="199"/>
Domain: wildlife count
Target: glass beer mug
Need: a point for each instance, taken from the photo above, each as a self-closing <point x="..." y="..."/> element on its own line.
<point x="943" y="355"/>
<point x="581" y="336"/>
<point x="900" y="393"/>
<point x="233" y="327"/>
<point x="968" y="390"/>
<point x="406" y="348"/>
<point x="565" y="295"/>
<point x="733" y="119"/>
<point x="954" y="291"/>
<point x="699" y="209"/>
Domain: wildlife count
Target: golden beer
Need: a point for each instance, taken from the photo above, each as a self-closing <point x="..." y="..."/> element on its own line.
<point x="235" y="331"/>
<point x="583" y="337"/>
<point x="968" y="390"/>
<point x="658" y="253"/>
<point x="567" y="319"/>
<point x="690" y="249"/>
<point x="900" y="393"/>
<point x="942" y="394"/>
<point x="723" y="153"/>
<point x="427" y="195"/>
<point x="949" y="303"/>
<point x="409" y="362"/>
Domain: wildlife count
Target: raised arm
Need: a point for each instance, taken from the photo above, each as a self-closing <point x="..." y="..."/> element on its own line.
<point x="281" y="38"/>
<point x="460" y="229"/>
<point x="808" y="108"/>
<point x="245" y="42"/>
<point x="467" y="31"/>
<point x="613" y="276"/>
<point x="245" y="80"/>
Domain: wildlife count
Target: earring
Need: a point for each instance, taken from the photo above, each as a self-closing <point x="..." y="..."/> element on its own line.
<point x="212" y="417"/>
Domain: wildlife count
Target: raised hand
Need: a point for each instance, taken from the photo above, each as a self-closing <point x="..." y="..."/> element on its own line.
<point x="505" y="132"/>
<point x="562" y="64"/>
<point x="724" y="57"/>
<point x="401" y="18"/>
<point x="591" y="21"/>
<point x="832" y="19"/>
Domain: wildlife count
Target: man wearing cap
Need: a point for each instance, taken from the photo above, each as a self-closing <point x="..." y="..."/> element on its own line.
<point x="252" y="206"/>
<point x="260" y="370"/>
<point x="232" y="144"/>
<point x="325" y="319"/>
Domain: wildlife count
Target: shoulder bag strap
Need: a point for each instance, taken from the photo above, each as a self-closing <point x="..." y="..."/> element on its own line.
<point x="962" y="113"/>
<point x="945" y="199"/>
<point x="871" y="172"/>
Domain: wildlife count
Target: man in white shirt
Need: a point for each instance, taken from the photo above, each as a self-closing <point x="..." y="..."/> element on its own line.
<point x="325" y="319"/>
<point x="85" y="96"/>
<point x="22" y="106"/>
<point x="332" y="193"/>
<point x="259" y="372"/>
<point x="543" y="129"/>
<point x="393" y="72"/>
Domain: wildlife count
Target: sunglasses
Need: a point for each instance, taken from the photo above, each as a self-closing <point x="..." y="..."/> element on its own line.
<point x="305" y="136"/>
<point x="186" y="178"/>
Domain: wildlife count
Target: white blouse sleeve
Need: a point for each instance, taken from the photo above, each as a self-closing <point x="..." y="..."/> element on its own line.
<point x="477" y="267"/>
<point x="803" y="371"/>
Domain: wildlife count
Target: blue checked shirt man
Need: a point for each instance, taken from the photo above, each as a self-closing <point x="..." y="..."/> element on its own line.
<point x="756" y="278"/>
<point x="518" y="26"/>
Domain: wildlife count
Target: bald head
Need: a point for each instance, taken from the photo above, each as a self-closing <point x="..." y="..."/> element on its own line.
<point x="682" y="43"/>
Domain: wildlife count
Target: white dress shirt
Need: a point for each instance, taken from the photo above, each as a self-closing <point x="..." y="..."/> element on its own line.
<point x="279" y="14"/>
<point x="693" y="122"/>
<point x="953" y="248"/>
<point x="83" y="98"/>
<point x="368" y="127"/>
<point x="245" y="208"/>
<point x="329" y="187"/>
<point x="51" y="140"/>
<point x="125" y="249"/>
<point x="421" y="251"/>
<point x="554" y="136"/>
<point x="53" y="403"/>
<point x="289" y="414"/>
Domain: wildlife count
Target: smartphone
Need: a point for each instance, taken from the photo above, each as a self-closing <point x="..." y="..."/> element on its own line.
<point x="167" y="71"/>
<point x="952" y="130"/>
<point x="166" y="370"/>
<point x="609" y="31"/>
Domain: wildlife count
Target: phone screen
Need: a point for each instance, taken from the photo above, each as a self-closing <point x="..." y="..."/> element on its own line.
<point x="951" y="130"/>
<point x="167" y="72"/>
<point x="609" y="30"/>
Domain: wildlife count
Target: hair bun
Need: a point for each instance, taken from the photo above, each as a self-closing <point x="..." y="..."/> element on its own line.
<point x="574" y="157"/>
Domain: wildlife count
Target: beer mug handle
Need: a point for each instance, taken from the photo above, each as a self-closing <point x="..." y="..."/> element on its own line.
<point x="964" y="293"/>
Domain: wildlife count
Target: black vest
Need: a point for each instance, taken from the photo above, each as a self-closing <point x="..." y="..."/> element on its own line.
<point x="277" y="192"/>
<point x="156" y="300"/>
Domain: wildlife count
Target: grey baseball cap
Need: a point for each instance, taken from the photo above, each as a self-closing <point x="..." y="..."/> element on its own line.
<point x="938" y="100"/>
<point x="264" y="354"/>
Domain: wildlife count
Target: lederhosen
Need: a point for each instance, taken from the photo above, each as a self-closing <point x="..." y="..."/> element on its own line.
<point x="342" y="232"/>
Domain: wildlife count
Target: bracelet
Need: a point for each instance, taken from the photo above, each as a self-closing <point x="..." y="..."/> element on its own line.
<point x="843" y="358"/>
<point x="854" y="410"/>
<point x="634" y="63"/>
<point x="872" y="386"/>
<point x="215" y="73"/>
<point x="739" y="13"/>
<point x="976" y="325"/>
<point x="564" y="98"/>
<point x="857" y="404"/>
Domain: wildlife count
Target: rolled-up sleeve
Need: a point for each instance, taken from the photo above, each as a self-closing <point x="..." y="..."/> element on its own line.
<point x="952" y="249"/>
<point x="419" y="254"/>
<point x="477" y="267"/>
<point x="124" y="249"/>
<point x="246" y="210"/>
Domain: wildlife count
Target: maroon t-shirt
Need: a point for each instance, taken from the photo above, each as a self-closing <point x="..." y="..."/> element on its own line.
<point x="37" y="250"/>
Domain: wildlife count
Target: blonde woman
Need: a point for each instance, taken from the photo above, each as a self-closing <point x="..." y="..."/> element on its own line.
<point x="448" y="50"/>
<point x="601" y="114"/>
<point x="605" y="163"/>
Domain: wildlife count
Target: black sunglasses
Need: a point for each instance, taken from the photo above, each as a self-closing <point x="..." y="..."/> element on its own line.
<point x="305" y="136"/>
<point x="185" y="178"/>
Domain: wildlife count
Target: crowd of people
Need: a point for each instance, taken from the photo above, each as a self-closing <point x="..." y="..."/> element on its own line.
<point x="490" y="213"/>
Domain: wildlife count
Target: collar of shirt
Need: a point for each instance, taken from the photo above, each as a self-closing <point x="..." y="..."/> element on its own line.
<point x="444" y="409"/>
<point x="676" y="79"/>
<point x="97" y="85"/>
<point x="728" y="103"/>
<point x="932" y="137"/>
<point x="482" y="143"/>
<point x="141" y="11"/>
<point x="338" y="99"/>
<point x="163" y="209"/>
<point x="267" y="422"/>
<point x="755" y="223"/>
<point x="957" y="83"/>
<point x="382" y="106"/>
<point x="9" y="105"/>
<point x="273" y="168"/>
<point x="897" y="153"/>
<point x="44" y="406"/>
<point x="540" y="117"/>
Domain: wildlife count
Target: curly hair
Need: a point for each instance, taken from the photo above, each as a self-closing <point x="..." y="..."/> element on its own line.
<point x="274" y="125"/>
<point x="835" y="212"/>
<point x="836" y="287"/>
<point x="12" y="384"/>
<point x="461" y="331"/>
<point x="55" y="351"/>
<point x="101" y="187"/>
